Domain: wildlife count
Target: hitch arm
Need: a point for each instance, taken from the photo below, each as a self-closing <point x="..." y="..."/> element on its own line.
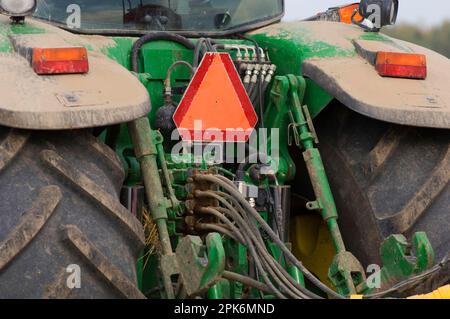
<point x="346" y="272"/>
<point x="147" y="155"/>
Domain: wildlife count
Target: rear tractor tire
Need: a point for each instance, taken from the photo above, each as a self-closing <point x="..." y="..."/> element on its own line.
<point x="386" y="179"/>
<point x="63" y="231"/>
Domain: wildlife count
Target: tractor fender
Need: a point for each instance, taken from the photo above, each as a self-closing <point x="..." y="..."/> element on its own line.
<point x="337" y="57"/>
<point x="108" y="94"/>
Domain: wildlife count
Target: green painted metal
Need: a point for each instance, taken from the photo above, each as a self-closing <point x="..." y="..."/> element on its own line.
<point x="147" y="153"/>
<point x="216" y="260"/>
<point x="201" y="265"/>
<point x="7" y="29"/>
<point x="401" y="260"/>
<point x="295" y="273"/>
<point x="277" y="117"/>
<point x="216" y="292"/>
<point x="295" y="86"/>
<point x="120" y="51"/>
<point x="288" y="47"/>
<point x="237" y="262"/>
<point x="154" y="61"/>
<point x="175" y="203"/>
<point x="346" y="272"/>
<point x="284" y="110"/>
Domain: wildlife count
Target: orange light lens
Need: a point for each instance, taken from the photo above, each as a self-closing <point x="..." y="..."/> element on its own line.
<point x="346" y="13"/>
<point x="405" y="65"/>
<point x="402" y="58"/>
<point x="60" y="60"/>
<point x="60" y="54"/>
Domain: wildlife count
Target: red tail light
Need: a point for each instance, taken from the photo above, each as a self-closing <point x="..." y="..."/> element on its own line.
<point x="402" y="65"/>
<point x="60" y="61"/>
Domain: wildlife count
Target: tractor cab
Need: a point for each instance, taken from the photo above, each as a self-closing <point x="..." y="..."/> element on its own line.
<point x="199" y="16"/>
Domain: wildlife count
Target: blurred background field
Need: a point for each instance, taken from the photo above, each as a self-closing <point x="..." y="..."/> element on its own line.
<point x="426" y="23"/>
<point x="436" y="37"/>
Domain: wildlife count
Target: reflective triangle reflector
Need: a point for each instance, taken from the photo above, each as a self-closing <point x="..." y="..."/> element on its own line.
<point x="216" y="106"/>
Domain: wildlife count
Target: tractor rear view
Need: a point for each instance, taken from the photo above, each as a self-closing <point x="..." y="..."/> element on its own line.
<point x="204" y="149"/>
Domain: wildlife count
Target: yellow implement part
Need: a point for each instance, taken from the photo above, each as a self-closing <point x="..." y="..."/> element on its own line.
<point x="313" y="245"/>
<point x="441" y="293"/>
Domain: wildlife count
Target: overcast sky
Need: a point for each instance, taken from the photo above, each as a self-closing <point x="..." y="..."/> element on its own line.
<point x="428" y="12"/>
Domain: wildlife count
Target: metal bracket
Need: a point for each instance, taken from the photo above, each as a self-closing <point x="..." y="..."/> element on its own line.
<point x="200" y="266"/>
<point x="346" y="273"/>
<point x="293" y="131"/>
<point x="399" y="260"/>
<point x="172" y="201"/>
<point x="314" y="206"/>
<point x="310" y="123"/>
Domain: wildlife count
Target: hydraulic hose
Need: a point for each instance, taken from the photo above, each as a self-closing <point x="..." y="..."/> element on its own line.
<point x="155" y="36"/>
<point x="257" y="260"/>
<point x="235" y="194"/>
<point x="167" y="81"/>
<point x="251" y="230"/>
<point x="276" y="271"/>
<point x="267" y="263"/>
<point x="248" y="208"/>
<point x="216" y="228"/>
<point x="226" y="221"/>
<point x="199" y="49"/>
<point x="254" y="238"/>
<point x="279" y="270"/>
<point x="250" y="246"/>
<point x="246" y="281"/>
<point x="204" y="45"/>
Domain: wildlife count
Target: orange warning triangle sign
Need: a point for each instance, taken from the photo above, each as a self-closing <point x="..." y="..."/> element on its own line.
<point x="216" y="105"/>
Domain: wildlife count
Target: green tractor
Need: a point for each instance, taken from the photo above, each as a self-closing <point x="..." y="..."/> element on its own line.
<point x="205" y="149"/>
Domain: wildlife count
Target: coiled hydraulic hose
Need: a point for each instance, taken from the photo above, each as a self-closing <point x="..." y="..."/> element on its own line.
<point x="155" y="37"/>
